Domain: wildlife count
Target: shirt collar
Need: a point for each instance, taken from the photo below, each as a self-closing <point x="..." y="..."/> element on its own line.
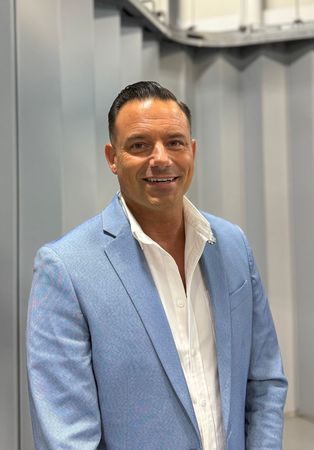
<point x="192" y="217"/>
<point x="136" y="229"/>
<point x="197" y="221"/>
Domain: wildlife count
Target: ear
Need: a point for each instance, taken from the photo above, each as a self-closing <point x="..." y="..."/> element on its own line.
<point x="193" y="147"/>
<point x="111" y="157"/>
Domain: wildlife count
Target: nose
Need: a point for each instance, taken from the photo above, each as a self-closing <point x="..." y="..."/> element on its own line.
<point x="159" y="155"/>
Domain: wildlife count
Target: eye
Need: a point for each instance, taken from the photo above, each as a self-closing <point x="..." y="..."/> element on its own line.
<point x="176" y="143"/>
<point x="137" y="147"/>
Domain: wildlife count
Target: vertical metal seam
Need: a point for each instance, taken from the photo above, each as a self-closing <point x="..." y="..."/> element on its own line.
<point x="17" y="227"/>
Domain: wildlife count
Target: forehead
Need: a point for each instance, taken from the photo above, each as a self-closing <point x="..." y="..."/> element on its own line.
<point x="150" y="113"/>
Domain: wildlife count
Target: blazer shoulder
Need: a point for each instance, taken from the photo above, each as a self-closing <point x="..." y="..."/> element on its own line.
<point x="88" y="240"/>
<point x="229" y="236"/>
<point x="222" y="227"/>
<point x="76" y="241"/>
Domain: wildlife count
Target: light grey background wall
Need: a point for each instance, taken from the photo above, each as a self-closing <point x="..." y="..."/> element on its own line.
<point x="107" y="56"/>
<point x="9" y="312"/>
<point x="62" y="63"/>
<point x="243" y="168"/>
<point x="301" y="158"/>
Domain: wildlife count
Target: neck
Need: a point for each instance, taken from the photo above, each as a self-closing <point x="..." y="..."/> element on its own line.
<point x="167" y="229"/>
<point x="165" y="225"/>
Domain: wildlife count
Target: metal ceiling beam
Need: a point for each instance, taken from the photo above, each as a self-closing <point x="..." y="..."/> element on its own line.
<point x="237" y="38"/>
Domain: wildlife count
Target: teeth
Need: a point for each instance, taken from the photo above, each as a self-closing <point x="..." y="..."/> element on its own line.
<point x="159" y="180"/>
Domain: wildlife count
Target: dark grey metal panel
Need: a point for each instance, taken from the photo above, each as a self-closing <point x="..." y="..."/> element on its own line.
<point x="9" y="410"/>
<point x="40" y="150"/>
<point x="107" y="86"/>
<point x="78" y="111"/>
<point x="301" y="154"/>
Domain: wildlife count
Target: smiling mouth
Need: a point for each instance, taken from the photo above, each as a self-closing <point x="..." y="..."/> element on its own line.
<point x="160" y="180"/>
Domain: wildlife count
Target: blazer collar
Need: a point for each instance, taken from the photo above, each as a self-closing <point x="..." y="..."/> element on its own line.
<point x="215" y="278"/>
<point x="114" y="218"/>
<point x="128" y="261"/>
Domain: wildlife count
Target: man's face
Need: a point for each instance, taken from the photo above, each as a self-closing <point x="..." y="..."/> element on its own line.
<point x="152" y="154"/>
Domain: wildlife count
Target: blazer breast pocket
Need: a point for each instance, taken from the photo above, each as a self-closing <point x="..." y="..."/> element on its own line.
<point x="239" y="295"/>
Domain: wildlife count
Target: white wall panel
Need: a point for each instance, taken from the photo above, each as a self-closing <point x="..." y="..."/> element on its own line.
<point x="150" y="50"/>
<point x="107" y="86"/>
<point x="173" y="68"/>
<point x="251" y="88"/>
<point x="220" y="155"/>
<point x="232" y="154"/>
<point x="207" y="131"/>
<point x="78" y="111"/>
<point x="40" y="149"/>
<point x="131" y="53"/>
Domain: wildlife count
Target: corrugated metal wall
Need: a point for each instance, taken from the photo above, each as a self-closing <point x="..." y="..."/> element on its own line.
<point x="253" y="120"/>
<point x="9" y="317"/>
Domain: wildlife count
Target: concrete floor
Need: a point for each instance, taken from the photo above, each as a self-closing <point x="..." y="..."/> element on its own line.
<point x="298" y="434"/>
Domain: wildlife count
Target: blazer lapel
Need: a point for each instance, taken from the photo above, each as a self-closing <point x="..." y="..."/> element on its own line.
<point x="215" y="278"/>
<point x="128" y="261"/>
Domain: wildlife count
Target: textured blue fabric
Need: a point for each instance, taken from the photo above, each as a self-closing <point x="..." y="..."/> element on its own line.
<point x="103" y="369"/>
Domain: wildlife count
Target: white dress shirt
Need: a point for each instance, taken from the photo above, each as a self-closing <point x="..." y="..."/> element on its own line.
<point x="189" y="315"/>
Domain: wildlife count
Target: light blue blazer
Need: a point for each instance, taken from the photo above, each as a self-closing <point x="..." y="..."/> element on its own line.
<point x="103" y="368"/>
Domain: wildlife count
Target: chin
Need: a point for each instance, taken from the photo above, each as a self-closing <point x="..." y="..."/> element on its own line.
<point x="165" y="203"/>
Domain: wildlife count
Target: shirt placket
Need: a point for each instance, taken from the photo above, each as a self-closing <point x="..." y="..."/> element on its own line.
<point x="178" y="310"/>
<point x="177" y="293"/>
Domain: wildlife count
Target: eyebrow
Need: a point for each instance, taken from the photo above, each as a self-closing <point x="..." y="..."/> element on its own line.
<point x="145" y="136"/>
<point x="176" y="135"/>
<point x="135" y="137"/>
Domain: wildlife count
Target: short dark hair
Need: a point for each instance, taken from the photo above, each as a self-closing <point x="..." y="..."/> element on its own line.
<point x="143" y="90"/>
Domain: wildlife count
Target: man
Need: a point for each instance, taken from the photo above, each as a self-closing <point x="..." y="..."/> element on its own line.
<point x="148" y="325"/>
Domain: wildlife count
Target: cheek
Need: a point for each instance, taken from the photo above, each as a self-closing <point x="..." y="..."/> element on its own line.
<point x="122" y="166"/>
<point x="129" y="162"/>
<point x="126" y="175"/>
<point x="188" y="163"/>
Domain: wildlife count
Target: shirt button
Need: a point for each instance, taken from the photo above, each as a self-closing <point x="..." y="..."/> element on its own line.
<point x="203" y="403"/>
<point x="180" y="303"/>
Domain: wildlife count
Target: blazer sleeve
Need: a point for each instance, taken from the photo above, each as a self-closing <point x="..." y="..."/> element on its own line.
<point x="62" y="389"/>
<point x="267" y="384"/>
